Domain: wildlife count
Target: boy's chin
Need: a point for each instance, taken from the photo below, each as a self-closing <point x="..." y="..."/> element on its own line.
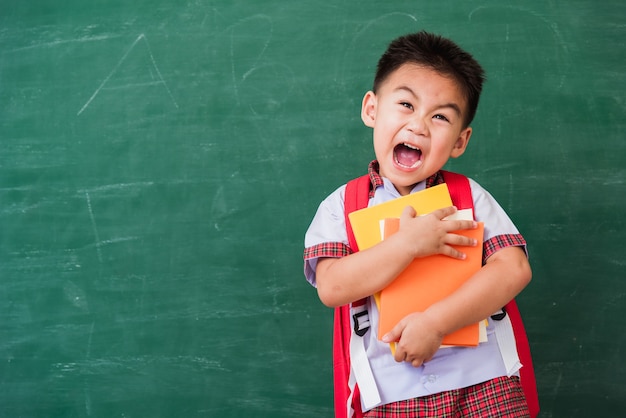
<point x="403" y="177"/>
<point x="406" y="178"/>
<point x="405" y="185"/>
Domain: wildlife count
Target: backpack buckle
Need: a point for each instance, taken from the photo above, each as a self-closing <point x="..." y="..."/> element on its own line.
<point x="500" y="315"/>
<point x="361" y="321"/>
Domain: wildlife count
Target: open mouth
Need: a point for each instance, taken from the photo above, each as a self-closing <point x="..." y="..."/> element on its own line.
<point x="407" y="156"/>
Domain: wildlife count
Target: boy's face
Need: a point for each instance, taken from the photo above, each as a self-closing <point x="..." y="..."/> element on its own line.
<point x="417" y="117"/>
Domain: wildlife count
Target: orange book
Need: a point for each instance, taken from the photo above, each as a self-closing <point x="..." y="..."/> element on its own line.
<point x="428" y="280"/>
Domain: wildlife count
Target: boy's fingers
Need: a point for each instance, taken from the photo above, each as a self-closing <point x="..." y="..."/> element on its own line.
<point x="459" y="225"/>
<point x="443" y="212"/>
<point x="462" y="240"/>
<point x="454" y="253"/>
<point x="409" y="212"/>
<point x="393" y="335"/>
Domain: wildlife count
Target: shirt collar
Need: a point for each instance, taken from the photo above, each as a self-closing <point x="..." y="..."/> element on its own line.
<point x="377" y="180"/>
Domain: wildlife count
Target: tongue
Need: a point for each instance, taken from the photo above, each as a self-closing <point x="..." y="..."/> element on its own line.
<point x="406" y="156"/>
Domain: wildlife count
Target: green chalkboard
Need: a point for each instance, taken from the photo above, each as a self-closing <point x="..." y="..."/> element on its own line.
<point x="160" y="162"/>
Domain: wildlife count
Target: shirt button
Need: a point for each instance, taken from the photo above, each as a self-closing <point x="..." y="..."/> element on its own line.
<point x="432" y="378"/>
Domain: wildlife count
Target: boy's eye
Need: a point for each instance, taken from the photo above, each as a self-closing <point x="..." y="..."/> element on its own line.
<point x="407" y="105"/>
<point x="441" y="117"/>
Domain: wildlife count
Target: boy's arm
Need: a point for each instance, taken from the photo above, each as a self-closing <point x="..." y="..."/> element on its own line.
<point x="344" y="280"/>
<point x="504" y="276"/>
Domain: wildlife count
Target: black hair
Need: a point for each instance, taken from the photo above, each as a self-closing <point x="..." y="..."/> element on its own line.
<point x="439" y="54"/>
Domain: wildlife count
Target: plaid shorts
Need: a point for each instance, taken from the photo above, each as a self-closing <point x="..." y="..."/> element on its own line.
<point x="499" y="397"/>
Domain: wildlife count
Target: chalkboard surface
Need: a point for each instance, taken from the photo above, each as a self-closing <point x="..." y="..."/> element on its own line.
<point x="160" y="161"/>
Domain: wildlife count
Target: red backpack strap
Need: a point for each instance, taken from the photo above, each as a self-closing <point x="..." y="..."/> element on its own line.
<point x="527" y="372"/>
<point x="356" y="197"/>
<point x="459" y="189"/>
<point x="461" y="194"/>
<point x="341" y="360"/>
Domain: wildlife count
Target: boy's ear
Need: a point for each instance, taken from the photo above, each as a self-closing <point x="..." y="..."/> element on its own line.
<point x="368" y="109"/>
<point x="461" y="143"/>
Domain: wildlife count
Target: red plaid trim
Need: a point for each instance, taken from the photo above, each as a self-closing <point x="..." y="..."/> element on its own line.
<point x="327" y="249"/>
<point x="373" y="170"/>
<point x="499" y="397"/>
<point x="435" y="180"/>
<point x="339" y="249"/>
<point x="501" y="241"/>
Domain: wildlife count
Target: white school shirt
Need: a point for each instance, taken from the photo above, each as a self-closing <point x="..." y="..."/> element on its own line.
<point x="451" y="368"/>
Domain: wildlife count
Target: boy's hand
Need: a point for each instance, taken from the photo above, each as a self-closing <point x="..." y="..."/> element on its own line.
<point x="430" y="234"/>
<point x="417" y="339"/>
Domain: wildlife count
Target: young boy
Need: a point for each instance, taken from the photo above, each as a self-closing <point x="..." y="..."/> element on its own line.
<point x="425" y="94"/>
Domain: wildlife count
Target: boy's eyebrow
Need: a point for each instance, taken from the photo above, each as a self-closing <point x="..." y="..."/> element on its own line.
<point x="451" y="105"/>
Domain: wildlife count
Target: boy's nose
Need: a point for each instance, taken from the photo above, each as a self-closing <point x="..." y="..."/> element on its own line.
<point x="418" y="126"/>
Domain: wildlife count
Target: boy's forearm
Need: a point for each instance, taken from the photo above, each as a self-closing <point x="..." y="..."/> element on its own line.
<point x="504" y="276"/>
<point x="344" y="280"/>
<point x="347" y="279"/>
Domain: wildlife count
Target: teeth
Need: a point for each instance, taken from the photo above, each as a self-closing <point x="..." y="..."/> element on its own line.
<point x="410" y="146"/>
<point x="415" y="165"/>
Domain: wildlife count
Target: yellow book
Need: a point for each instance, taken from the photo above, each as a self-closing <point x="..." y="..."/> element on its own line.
<point x="366" y="222"/>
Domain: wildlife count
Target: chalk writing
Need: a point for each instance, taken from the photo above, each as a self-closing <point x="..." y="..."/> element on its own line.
<point x="160" y="80"/>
